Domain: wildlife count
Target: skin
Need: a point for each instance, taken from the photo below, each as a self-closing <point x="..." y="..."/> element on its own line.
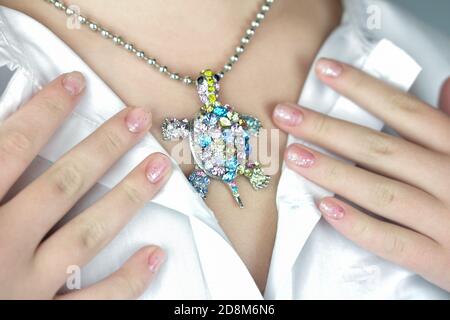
<point x="296" y="35"/>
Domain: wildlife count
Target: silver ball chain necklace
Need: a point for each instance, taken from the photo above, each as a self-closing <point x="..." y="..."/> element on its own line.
<point x="219" y="136"/>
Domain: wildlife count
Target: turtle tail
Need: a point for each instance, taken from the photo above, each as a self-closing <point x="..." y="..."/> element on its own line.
<point x="235" y="191"/>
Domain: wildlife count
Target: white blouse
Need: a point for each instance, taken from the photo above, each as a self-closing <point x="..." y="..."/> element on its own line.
<point x="310" y="260"/>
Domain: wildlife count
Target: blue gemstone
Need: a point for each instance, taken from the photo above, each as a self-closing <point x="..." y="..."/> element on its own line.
<point x="248" y="149"/>
<point x="209" y="119"/>
<point x="253" y="124"/>
<point x="232" y="164"/>
<point x="220" y="111"/>
<point x="229" y="176"/>
<point x="205" y="141"/>
<point x="227" y="135"/>
<point x="200" y="181"/>
<point x="213" y="120"/>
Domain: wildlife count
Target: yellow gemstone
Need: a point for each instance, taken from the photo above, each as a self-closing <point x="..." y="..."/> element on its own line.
<point x="207" y="108"/>
<point x="212" y="98"/>
<point x="208" y="73"/>
<point x="211" y="82"/>
<point x="225" y="122"/>
<point x="211" y="89"/>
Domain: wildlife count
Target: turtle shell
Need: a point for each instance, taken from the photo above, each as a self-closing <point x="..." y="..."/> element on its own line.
<point x="220" y="143"/>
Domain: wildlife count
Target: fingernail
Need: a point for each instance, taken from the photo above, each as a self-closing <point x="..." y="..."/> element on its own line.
<point x="155" y="260"/>
<point x="301" y="157"/>
<point x="73" y="83"/>
<point x="331" y="209"/>
<point x="138" y="120"/>
<point x="329" y="68"/>
<point x="157" y="168"/>
<point x="288" y="115"/>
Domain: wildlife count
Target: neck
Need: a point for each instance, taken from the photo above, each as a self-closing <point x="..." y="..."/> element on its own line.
<point x="170" y="26"/>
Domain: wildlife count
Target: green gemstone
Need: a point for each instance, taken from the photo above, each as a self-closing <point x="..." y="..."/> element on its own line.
<point x="225" y="122"/>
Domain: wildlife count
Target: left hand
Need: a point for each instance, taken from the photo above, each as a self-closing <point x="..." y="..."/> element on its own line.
<point x="405" y="181"/>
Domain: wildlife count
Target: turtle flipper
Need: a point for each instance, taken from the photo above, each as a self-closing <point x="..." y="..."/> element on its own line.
<point x="173" y="129"/>
<point x="255" y="174"/>
<point x="200" y="181"/>
<point x="253" y="124"/>
<point x="235" y="191"/>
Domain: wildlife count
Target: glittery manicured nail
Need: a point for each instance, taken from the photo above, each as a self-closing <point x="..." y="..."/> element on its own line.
<point x="288" y="115"/>
<point x="301" y="157"/>
<point x="157" y="168"/>
<point x="155" y="260"/>
<point x="329" y="68"/>
<point x="138" y="120"/>
<point x="331" y="209"/>
<point x="73" y="83"/>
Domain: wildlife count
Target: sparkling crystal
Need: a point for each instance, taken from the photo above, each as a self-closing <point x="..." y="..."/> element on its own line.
<point x="231" y="164"/>
<point x="216" y="134"/>
<point x="225" y="122"/>
<point x="204" y="98"/>
<point x="229" y="176"/>
<point x="208" y="165"/>
<point x="220" y="111"/>
<point x="200" y="181"/>
<point x="205" y="141"/>
<point x="206" y="155"/>
<point x="208" y="73"/>
<point x="253" y="124"/>
<point x="218" y="171"/>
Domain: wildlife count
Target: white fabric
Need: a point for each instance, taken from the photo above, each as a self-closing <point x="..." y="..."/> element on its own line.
<point x="310" y="260"/>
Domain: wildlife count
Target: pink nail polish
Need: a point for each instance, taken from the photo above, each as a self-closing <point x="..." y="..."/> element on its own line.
<point x="331" y="209"/>
<point x="74" y="83"/>
<point x="157" y="168"/>
<point x="301" y="157"/>
<point x="155" y="260"/>
<point x="288" y="115"/>
<point x="138" y="120"/>
<point x="329" y="68"/>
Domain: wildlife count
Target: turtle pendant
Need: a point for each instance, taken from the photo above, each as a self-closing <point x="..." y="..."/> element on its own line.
<point x="219" y="140"/>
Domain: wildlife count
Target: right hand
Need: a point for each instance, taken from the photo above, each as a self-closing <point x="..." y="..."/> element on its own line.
<point x="33" y="266"/>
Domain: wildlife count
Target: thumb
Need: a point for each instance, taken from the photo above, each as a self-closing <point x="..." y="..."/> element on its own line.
<point x="444" y="102"/>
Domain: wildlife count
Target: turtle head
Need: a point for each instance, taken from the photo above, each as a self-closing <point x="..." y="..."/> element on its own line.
<point x="208" y="87"/>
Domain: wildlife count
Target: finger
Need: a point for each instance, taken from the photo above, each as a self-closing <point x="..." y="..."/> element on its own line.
<point x="391" y="199"/>
<point x="379" y="152"/>
<point x="49" y="197"/>
<point x="129" y="282"/>
<point x="25" y="132"/>
<point x="444" y="101"/>
<point x="403" y="112"/>
<point x="82" y="238"/>
<point x="401" y="246"/>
